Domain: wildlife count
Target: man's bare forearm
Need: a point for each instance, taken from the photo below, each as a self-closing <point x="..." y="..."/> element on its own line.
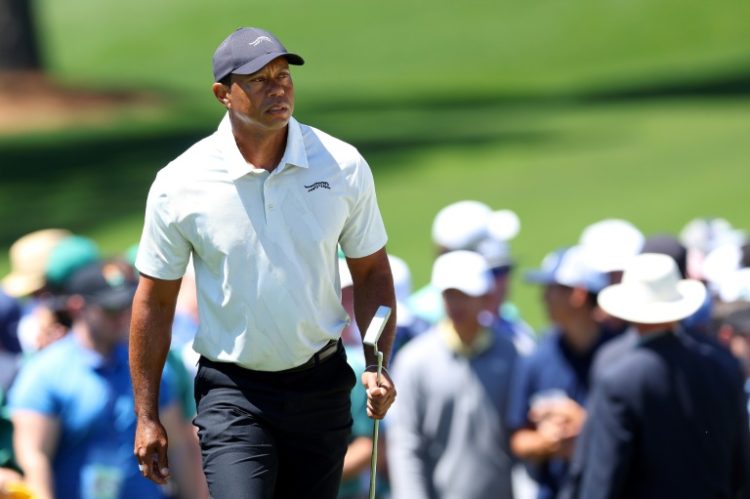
<point x="373" y="287"/>
<point x="150" y="336"/>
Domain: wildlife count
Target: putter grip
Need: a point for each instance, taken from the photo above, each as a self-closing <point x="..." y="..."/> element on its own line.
<point x="380" y="366"/>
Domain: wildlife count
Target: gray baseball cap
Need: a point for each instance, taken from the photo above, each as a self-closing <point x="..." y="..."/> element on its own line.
<point x="247" y="50"/>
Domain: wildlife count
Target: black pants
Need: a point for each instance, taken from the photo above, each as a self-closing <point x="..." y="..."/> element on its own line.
<point x="274" y="435"/>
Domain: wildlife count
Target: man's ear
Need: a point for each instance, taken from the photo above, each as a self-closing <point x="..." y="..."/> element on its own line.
<point x="221" y="92"/>
<point x="75" y="304"/>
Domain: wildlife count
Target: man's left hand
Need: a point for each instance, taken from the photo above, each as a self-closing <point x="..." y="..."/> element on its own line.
<point x="381" y="396"/>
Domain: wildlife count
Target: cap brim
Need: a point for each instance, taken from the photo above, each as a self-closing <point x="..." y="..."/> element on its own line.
<point x="619" y="301"/>
<point x="538" y="277"/>
<point x="474" y="291"/>
<point x="475" y="287"/>
<point x="259" y="62"/>
<point x="19" y="285"/>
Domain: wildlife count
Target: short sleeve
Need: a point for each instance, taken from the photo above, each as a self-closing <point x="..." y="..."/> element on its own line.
<point x="163" y="251"/>
<point x="364" y="231"/>
<point x="32" y="391"/>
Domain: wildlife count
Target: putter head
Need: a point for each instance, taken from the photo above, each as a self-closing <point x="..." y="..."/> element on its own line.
<point x="377" y="324"/>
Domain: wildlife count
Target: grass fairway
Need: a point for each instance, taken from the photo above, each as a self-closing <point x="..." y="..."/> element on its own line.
<point x="564" y="112"/>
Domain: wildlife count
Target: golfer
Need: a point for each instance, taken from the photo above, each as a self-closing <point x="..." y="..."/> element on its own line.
<point x="261" y="205"/>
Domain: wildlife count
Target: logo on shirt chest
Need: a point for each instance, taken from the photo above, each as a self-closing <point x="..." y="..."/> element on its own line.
<point x="318" y="185"/>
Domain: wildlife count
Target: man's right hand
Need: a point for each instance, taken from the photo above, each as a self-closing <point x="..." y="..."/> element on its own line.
<point x="151" y="450"/>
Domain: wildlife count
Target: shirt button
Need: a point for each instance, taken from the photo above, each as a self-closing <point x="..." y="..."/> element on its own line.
<point x="270" y="206"/>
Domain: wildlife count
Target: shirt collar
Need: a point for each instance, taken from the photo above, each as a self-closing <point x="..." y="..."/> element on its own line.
<point x="295" y="153"/>
<point x="481" y="343"/>
<point x="644" y="339"/>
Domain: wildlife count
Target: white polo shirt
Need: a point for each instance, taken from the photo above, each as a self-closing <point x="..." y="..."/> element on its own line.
<point x="264" y="244"/>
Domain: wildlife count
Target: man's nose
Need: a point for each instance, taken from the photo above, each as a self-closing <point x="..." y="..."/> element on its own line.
<point x="277" y="88"/>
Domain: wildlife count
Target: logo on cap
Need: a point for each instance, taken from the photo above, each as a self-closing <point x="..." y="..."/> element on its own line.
<point x="260" y="40"/>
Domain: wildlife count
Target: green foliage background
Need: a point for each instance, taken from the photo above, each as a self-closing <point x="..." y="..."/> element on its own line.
<point x="566" y="112"/>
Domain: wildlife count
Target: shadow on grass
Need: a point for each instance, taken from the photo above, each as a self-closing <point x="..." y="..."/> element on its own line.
<point x="80" y="184"/>
<point x="729" y="86"/>
<point x="726" y="86"/>
<point x="85" y="183"/>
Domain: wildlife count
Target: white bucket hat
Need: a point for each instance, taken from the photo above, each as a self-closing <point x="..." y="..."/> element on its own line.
<point x="652" y="292"/>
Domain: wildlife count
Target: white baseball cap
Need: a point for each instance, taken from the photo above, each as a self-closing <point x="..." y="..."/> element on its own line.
<point x="503" y="225"/>
<point x="651" y="292"/>
<point x="463" y="270"/>
<point x="460" y="225"/>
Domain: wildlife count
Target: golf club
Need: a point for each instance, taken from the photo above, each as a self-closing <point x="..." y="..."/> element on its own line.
<point x="374" y="330"/>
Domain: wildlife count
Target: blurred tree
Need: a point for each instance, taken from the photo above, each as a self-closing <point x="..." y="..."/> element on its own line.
<point x="19" y="50"/>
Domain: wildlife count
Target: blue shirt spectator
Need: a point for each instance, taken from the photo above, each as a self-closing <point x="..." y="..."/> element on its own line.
<point x="552" y="369"/>
<point x="92" y="398"/>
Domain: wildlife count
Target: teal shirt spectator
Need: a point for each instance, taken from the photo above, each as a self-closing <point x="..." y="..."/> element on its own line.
<point x="361" y="424"/>
<point x="181" y="384"/>
<point x="6" y="436"/>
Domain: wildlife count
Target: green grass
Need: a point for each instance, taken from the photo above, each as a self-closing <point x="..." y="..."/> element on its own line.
<point x="566" y="112"/>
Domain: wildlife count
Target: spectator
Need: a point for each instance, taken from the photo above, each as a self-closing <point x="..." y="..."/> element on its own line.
<point x="698" y="325"/>
<point x="550" y="389"/>
<point x="72" y="404"/>
<point x="69" y="255"/>
<point x="9" y="364"/>
<point x="446" y="436"/>
<point x="703" y="235"/>
<point x="10" y="315"/>
<point x="53" y="321"/>
<point x="29" y="256"/>
<point x="668" y="419"/>
<point x="473" y="226"/>
<point x="28" y="260"/>
<point x="734" y="333"/>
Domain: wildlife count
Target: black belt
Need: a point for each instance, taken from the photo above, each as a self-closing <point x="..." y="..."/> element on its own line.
<point x="321" y="355"/>
<point x="330" y="348"/>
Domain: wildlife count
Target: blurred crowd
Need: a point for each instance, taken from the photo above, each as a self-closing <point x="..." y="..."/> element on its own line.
<point x="487" y="407"/>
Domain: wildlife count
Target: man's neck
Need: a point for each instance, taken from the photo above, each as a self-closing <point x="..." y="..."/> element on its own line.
<point x="88" y="340"/>
<point x="261" y="148"/>
<point x="647" y="329"/>
<point x="468" y="332"/>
